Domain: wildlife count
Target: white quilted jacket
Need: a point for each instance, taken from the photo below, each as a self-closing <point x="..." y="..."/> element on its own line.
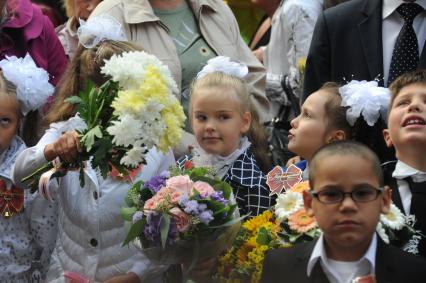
<point x="91" y="230"/>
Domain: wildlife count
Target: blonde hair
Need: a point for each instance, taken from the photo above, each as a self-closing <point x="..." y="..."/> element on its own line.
<point x="84" y="67"/>
<point x="256" y="133"/>
<point x="69" y="8"/>
<point x="28" y="125"/>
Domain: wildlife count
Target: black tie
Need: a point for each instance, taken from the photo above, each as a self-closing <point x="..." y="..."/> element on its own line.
<point x="405" y="55"/>
<point x="418" y="208"/>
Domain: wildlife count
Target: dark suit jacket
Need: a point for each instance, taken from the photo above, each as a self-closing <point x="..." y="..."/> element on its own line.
<point x="347" y="44"/>
<point x="290" y="265"/>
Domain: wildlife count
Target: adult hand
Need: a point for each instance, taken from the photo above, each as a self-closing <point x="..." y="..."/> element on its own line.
<point x="66" y="147"/>
<point x="127" y="278"/>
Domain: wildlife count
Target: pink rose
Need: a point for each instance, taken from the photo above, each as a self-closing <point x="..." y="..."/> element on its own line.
<point x="182" y="184"/>
<point x="203" y="188"/>
<point x="181" y="218"/>
<point x="176" y="197"/>
<point x="150" y="204"/>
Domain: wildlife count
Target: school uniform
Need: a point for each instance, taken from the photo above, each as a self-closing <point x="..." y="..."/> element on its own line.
<point x="408" y="187"/>
<point x="25" y="238"/>
<point x="306" y="263"/>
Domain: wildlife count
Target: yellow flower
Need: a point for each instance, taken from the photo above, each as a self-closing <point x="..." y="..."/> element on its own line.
<point x="256" y="222"/>
<point x="301" y="63"/>
<point x="128" y="101"/>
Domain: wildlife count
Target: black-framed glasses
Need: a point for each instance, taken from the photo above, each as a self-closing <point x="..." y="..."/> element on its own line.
<point x="332" y="196"/>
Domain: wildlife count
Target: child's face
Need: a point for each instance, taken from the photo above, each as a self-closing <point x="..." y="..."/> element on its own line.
<point x="83" y="8"/>
<point x="347" y="224"/>
<point x="407" y="118"/>
<point x="309" y="129"/>
<point x="8" y="120"/>
<point x="216" y="120"/>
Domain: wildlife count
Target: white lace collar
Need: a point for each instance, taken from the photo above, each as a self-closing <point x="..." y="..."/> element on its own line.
<point x="219" y="164"/>
<point x="8" y="157"/>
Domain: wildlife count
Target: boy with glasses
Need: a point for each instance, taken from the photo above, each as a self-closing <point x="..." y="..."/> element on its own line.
<point x="347" y="197"/>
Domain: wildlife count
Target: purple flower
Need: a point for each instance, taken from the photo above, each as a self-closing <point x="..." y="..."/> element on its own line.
<point x="218" y="196"/>
<point x="156" y="183"/>
<point x="206" y="216"/>
<point x="152" y="229"/>
<point x="137" y="216"/>
<point x="191" y="207"/>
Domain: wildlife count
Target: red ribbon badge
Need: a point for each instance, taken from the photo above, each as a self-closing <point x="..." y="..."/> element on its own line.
<point x="11" y="200"/>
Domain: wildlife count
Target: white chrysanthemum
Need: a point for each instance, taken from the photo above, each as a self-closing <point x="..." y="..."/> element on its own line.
<point x="128" y="69"/>
<point x="287" y="204"/>
<point x="126" y="131"/>
<point x="382" y="233"/>
<point x="394" y="219"/>
<point x="134" y="157"/>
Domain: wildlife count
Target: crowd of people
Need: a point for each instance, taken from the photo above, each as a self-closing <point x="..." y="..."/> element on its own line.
<point x="336" y="88"/>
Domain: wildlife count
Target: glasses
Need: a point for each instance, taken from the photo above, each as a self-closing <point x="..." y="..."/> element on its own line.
<point x="332" y="196"/>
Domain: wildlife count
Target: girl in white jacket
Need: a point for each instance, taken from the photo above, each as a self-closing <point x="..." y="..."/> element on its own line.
<point x="90" y="229"/>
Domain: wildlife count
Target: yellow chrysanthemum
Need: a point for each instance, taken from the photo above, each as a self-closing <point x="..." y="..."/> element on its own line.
<point x="254" y="223"/>
<point x="128" y="101"/>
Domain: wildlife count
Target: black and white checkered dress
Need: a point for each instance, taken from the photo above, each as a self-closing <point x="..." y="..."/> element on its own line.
<point x="248" y="183"/>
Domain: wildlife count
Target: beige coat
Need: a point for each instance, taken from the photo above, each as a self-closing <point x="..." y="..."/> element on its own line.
<point x="217" y="25"/>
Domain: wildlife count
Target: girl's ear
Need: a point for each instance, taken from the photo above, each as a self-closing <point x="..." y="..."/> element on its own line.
<point x="246" y="122"/>
<point x="336" y="135"/>
<point x="387" y="138"/>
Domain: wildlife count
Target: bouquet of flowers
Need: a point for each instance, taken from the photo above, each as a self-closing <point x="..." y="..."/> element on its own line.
<point x="243" y="261"/>
<point x="184" y="215"/>
<point x="121" y="120"/>
<point x="288" y="223"/>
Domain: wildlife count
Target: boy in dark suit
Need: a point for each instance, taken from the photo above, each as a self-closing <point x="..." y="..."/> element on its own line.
<point x="366" y="40"/>
<point x="346" y="197"/>
<point x="407" y="133"/>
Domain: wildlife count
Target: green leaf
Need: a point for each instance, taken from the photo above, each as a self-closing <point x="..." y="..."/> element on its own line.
<point x="225" y="188"/>
<point x="73" y="99"/>
<point x="103" y="148"/>
<point x="135" y="230"/>
<point x="164" y="229"/>
<point x="264" y="237"/>
<point x="146" y="194"/>
<point x="89" y="138"/>
<point x="127" y="213"/>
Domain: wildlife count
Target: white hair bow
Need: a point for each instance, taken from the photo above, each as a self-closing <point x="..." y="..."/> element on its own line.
<point x="224" y="65"/>
<point x="366" y="98"/>
<point x="96" y="29"/>
<point x="32" y="83"/>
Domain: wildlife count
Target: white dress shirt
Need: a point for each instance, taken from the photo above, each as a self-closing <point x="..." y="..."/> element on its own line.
<point x="339" y="271"/>
<point x="402" y="171"/>
<point x="391" y="26"/>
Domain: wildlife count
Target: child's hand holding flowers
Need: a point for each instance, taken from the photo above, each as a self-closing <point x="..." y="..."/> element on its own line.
<point x="186" y="218"/>
<point x="117" y="123"/>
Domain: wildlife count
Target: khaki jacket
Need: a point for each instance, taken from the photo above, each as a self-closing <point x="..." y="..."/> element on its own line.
<point x="217" y="25"/>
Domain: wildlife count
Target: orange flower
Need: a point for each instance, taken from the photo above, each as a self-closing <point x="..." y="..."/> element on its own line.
<point x="301" y="222"/>
<point x="300" y="187"/>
